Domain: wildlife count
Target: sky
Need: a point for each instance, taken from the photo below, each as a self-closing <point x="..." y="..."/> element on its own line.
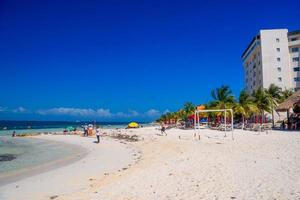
<point x="125" y="60"/>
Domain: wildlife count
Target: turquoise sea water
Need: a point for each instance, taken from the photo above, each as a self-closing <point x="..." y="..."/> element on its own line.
<point x="29" y="152"/>
<point x="23" y="127"/>
<point x="19" y="155"/>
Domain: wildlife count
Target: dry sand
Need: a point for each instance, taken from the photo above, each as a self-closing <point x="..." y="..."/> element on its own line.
<point x="253" y="166"/>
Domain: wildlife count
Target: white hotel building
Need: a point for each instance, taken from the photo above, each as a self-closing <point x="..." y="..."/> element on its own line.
<point x="273" y="57"/>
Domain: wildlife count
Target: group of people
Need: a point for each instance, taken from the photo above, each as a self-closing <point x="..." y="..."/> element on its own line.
<point x="88" y="130"/>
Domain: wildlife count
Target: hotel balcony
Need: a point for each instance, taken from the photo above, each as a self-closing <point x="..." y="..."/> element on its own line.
<point x="294" y="43"/>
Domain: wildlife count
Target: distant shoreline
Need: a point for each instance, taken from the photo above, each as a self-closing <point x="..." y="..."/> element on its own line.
<point x="54" y="126"/>
<point x="31" y="124"/>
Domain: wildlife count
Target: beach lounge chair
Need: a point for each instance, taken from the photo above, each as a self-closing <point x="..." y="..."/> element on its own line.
<point x="258" y="127"/>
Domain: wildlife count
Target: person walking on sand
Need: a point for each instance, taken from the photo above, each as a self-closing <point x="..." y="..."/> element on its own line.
<point x="98" y="134"/>
<point x="163" y="129"/>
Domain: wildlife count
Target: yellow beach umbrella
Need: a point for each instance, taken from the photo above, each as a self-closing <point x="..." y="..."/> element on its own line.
<point x="133" y="125"/>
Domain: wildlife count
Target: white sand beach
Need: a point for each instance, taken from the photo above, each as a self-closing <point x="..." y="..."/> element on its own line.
<point x="253" y="166"/>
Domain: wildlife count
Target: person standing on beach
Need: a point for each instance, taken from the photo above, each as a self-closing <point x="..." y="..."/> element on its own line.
<point x="85" y="130"/>
<point x="163" y="129"/>
<point x="98" y="134"/>
<point x="14" y="134"/>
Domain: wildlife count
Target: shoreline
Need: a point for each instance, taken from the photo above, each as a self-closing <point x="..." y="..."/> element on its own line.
<point x="100" y="160"/>
<point x="17" y="175"/>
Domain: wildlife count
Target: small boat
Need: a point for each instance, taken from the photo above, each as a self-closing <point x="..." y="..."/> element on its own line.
<point x="4" y="128"/>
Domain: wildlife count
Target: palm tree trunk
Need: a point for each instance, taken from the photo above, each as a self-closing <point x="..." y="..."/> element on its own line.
<point x="243" y="124"/>
<point x="273" y="123"/>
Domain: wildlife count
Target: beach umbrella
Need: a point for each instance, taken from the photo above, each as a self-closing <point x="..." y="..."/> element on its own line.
<point x="70" y="128"/>
<point x="201" y="107"/>
<point x="203" y="120"/>
<point x="133" y="125"/>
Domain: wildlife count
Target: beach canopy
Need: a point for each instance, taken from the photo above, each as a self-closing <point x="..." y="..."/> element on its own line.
<point x="290" y="102"/>
<point x="133" y="125"/>
<point x="70" y="128"/>
<point x="201" y="107"/>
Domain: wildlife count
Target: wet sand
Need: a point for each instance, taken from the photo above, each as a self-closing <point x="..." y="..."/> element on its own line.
<point x="77" y="154"/>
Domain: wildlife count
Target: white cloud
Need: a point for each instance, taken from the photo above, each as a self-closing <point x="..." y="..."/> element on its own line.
<point x="129" y="114"/>
<point x="133" y="113"/>
<point x="67" y="111"/>
<point x="166" y="111"/>
<point x="89" y="112"/>
<point x="20" y="110"/>
<point x="152" y="113"/>
<point x="121" y="115"/>
<point x="2" y="109"/>
<point x="103" y="113"/>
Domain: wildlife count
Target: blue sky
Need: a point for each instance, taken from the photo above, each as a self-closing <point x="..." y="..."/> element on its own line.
<point x="124" y="60"/>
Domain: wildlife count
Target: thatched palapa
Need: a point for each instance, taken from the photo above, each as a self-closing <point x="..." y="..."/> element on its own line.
<point x="289" y="102"/>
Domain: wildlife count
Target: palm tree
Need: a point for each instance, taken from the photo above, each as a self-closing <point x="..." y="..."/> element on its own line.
<point x="189" y="109"/>
<point x="262" y="101"/>
<point x="222" y="98"/>
<point x="163" y="118"/>
<point x="274" y="93"/>
<point x="180" y="114"/>
<point x="286" y="94"/>
<point x="169" y="116"/>
<point x="245" y="106"/>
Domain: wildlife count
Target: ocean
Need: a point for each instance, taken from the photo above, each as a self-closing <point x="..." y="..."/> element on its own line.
<point x="23" y="127"/>
<point x="19" y="156"/>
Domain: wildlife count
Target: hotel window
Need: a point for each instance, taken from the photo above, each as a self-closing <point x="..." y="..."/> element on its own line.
<point x="279" y="79"/>
<point x="297" y="79"/>
<point x="278" y="59"/>
<point x="295" y="49"/>
<point x="296" y="69"/>
<point x="277" y="40"/>
<point x="279" y="69"/>
<point x="296" y="59"/>
<point x="294" y="39"/>
<point x="278" y="49"/>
